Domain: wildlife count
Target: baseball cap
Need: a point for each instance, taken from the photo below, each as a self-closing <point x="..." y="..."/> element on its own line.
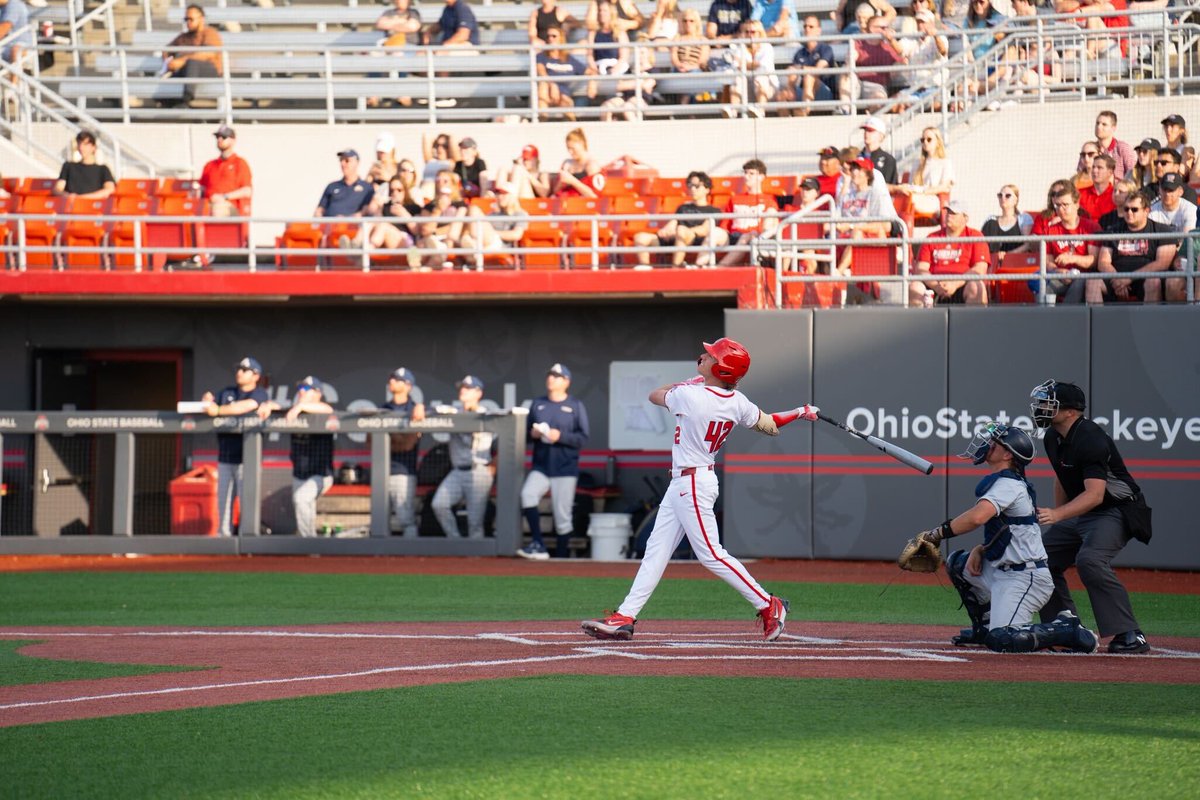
<point x="956" y="206"/>
<point x="811" y="183"/>
<point x="560" y="370"/>
<point x="386" y="143"/>
<point x="502" y="187"/>
<point x="1069" y="395"/>
<point x="250" y="364"/>
<point x="225" y="132"/>
<point x="829" y="152"/>
<point x="311" y="382"/>
<point x="924" y="15"/>
<point x="862" y="162"/>
<point x="1174" y="119"/>
<point x="402" y="374"/>
<point x="529" y="151"/>
<point x="348" y="153"/>
<point x="873" y="123"/>
<point x="468" y="142"/>
<point x="1149" y="144"/>
<point x="470" y="382"/>
<point x="1170" y="182"/>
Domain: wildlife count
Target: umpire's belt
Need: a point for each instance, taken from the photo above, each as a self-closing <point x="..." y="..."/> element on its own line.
<point x="689" y="471"/>
<point x="1039" y="564"/>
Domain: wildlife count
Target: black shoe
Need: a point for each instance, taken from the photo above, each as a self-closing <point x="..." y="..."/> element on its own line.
<point x="1129" y="643"/>
<point x="969" y="636"/>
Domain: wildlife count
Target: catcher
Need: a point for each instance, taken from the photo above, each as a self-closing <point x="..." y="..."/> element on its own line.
<point x="1004" y="581"/>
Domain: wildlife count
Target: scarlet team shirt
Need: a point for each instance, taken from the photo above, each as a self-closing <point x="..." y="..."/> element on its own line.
<point x="953" y="258"/>
<point x="704" y="418"/>
<point x="1073" y="241"/>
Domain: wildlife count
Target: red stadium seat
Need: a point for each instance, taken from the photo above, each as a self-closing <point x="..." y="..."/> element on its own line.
<point x="10" y="185"/>
<point x="783" y="185"/>
<point x="726" y="184"/>
<point x="220" y="234"/>
<point x="40" y="233"/>
<point x="671" y="204"/>
<point x="36" y="186"/>
<point x="1014" y="264"/>
<point x="178" y="235"/>
<point x="486" y="205"/>
<point x="80" y="230"/>
<point x="873" y="260"/>
<point x="178" y="187"/>
<point x="122" y="232"/>
<point x="6" y="206"/>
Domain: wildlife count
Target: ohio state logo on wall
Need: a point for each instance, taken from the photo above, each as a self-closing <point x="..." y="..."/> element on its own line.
<point x="41" y="423"/>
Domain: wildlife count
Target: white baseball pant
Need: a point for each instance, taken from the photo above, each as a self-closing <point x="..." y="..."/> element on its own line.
<point x="229" y="486"/>
<point x="402" y="493"/>
<point x="304" y="500"/>
<point x="687" y="509"/>
<point x="1015" y="596"/>
<point x="562" y="497"/>
<point x="469" y="485"/>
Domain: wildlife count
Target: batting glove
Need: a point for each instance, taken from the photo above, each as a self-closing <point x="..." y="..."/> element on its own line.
<point x="808" y="412"/>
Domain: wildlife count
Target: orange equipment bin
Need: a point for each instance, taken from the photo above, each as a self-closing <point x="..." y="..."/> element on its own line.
<point x="194" y="502"/>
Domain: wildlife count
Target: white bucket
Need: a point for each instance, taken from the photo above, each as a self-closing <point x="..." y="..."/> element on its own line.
<point x="610" y="534"/>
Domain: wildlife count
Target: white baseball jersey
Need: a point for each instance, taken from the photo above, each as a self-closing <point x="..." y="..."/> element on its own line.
<point x="1010" y="496"/>
<point x="704" y="418"/>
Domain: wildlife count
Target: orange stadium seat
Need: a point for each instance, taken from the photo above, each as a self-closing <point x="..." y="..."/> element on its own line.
<point x="122" y="232"/>
<point x="136" y="187"/>
<point x="615" y="186"/>
<point x="220" y="234"/>
<point x="36" y="186"/>
<point x="671" y="204"/>
<point x="665" y="187"/>
<point x="299" y="236"/>
<point x="784" y="185"/>
<point x="540" y="205"/>
<point x="334" y="231"/>
<point x="543" y="233"/>
<point x="6" y="205"/>
<point x="40" y="233"/>
<point x="80" y="230"/>
<point x="178" y="235"/>
<point x="726" y="184"/>
<point x="10" y="185"/>
<point x="585" y="233"/>
<point x="630" y="227"/>
<point x="178" y="187"/>
<point x="1013" y="264"/>
<point x="486" y="205"/>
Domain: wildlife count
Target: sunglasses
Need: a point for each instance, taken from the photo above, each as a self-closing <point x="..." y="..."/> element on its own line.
<point x="305" y="387"/>
<point x="1164" y="162"/>
<point x="928" y="139"/>
<point x="408" y="169"/>
<point x="1005" y="195"/>
<point x="694" y="184"/>
<point x="1134" y="209"/>
<point x="1088" y="154"/>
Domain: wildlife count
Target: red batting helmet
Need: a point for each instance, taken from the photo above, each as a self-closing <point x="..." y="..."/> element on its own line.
<point x="733" y="360"/>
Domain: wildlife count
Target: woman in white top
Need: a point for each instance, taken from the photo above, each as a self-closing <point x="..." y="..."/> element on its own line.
<point x="665" y="22"/>
<point x="757" y="59"/>
<point x="934" y="175"/>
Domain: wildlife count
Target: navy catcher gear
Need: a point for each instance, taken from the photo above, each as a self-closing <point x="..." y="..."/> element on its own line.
<point x="1065" y="632"/>
<point x="1014" y="440"/>
<point x="980" y="613"/>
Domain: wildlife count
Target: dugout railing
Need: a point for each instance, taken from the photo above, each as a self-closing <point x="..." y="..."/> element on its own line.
<point x="94" y="457"/>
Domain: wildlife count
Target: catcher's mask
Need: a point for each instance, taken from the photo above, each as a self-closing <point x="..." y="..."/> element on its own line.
<point x="733" y="360"/>
<point x="1014" y="440"/>
<point x="1047" y="398"/>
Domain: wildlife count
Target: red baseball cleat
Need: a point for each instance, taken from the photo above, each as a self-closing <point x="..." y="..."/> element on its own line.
<point x="614" y="626"/>
<point x="771" y="618"/>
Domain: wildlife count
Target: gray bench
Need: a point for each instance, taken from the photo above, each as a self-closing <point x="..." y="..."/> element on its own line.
<point x="342" y="64"/>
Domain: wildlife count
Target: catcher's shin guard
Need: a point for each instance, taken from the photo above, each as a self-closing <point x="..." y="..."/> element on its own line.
<point x="1065" y="632"/>
<point x="980" y="613"/>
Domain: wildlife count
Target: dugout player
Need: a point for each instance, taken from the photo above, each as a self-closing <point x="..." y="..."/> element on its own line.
<point x="471" y="470"/>
<point x="558" y="427"/>
<point x="245" y="396"/>
<point x="402" y="471"/>
<point x="1098" y="508"/>
<point x="312" y="456"/>
<point x="706" y="409"/>
<point x="1005" y="580"/>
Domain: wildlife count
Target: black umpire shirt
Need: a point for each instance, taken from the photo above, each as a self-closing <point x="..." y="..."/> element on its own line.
<point x="1088" y="452"/>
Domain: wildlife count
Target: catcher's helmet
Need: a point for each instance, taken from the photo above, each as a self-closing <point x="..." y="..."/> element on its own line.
<point x="1047" y="398"/>
<point x="1014" y="440"/>
<point x="733" y="360"/>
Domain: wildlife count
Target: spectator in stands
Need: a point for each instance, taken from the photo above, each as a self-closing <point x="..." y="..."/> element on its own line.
<point x="1143" y="170"/>
<point x="694" y="56"/>
<point x="1011" y="221"/>
<point x="1037" y="67"/>
<point x="557" y="63"/>
<point x="725" y="18"/>
<point x="1088" y="19"/>
<point x="244" y="397"/>
<point x="1171" y="209"/>
<point x="406" y="171"/>
<point x="472" y="170"/>
<point x="472" y="472"/>
<point x="400" y="22"/>
<point x="829" y="168"/>
<point x="385" y="166"/>
<point x="862" y="193"/>
<point x="927" y="5"/>
<point x="778" y="18"/>
<point x="851" y="16"/>
<point x="85" y="178"/>
<point x="439" y="155"/>
<point x="929" y="51"/>
<point x="312" y="456"/>
<point x="225" y="181"/>
<point x="502" y="228"/>
<point x="1135" y="252"/>
<point x="1097" y="200"/>
<point x="664" y="23"/>
<point x="349" y="197"/>
<point x="874" y="131"/>
<point x="195" y="64"/>
<point x="807" y="194"/>
<point x="549" y="15"/>
<point x="1047" y="217"/>
<point x="395" y="230"/>
<point x="755" y="61"/>
<point x="1169" y="162"/>
<point x="938" y="258"/>
<point x="1083" y="167"/>
<point x="1122" y="190"/>
<point x="1122" y="152"/>
<point x="865" y="83"/>
<point x="580" y="174"/>
<point x="803" y="82"/>
<point x="526" y="175"/>
<point x="686" y="232"/>
<point x="14" y="15"/>
<point x="456" y="28"/>
<point x="751" y="207"/>
<point x="1071" y="249"/>
<point x="863" y="13"/>
<point x="439" y="236"/>
<point x="983" y="17"/>
<point x="1174" y="132"/>
<point x="633" y="93"/>
<point x="611" y="54"/>
<point x="1191" y="166"/>
<point x="402" y="472"/>
<point x="934" y="176"/>
<point x="626" y="19"/>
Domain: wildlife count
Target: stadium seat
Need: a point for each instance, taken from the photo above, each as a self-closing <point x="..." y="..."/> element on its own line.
<point x="334" y="231"/>
<point x="726" y="184"/>
<point x="671" y="203"/>
<point x="487" y="205"/>
<point x="540" y="205"/>
<point x="6" y="205"/>
<point x="178" y="187"/>
<point x="40" y="233"/>
<point x="783" y="185"/>
<point x="136" y="187"/>
<point x="220" y="234"/>
<point x="587" y="234"/>
<point x="543" y="233"/>
<point x="299" y="236"/>
<point x="1013" y="264"/>
<point x="36" y="186"/>
<point x="80" y="230"/>
<point x="178" y="235"/>
<point x="122" y="232"/>
<point x="664" y="187"/>
<point x="630" y="227"/>
<point x="874" y="260"/>
<point x="615" y="186"/>
<point x="10" y="185"/>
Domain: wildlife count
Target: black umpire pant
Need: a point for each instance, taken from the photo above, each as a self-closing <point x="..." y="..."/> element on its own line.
<point x="1090" y="542"/>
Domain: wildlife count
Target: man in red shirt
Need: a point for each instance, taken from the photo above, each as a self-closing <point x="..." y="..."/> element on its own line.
<point x="951" y="258"/>
<point x="225" y="181"/>
<point x="1072" y="249"/>
<point x="752" y="208"/>
<point x="1097" y="200"/>
<point x="830" y="166"/>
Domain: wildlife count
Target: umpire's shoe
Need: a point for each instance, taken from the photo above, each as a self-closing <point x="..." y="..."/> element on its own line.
<point x="1129" y="643"/>
<point x="614" y="626"/>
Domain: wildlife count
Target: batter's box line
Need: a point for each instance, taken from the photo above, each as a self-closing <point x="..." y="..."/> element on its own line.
<point x="899" y="656"/>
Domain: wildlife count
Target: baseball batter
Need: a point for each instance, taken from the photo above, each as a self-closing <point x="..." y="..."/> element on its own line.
<point x="471" y="471"/>
<point x="1005" y="581"/>
<point x="706" y="409"/>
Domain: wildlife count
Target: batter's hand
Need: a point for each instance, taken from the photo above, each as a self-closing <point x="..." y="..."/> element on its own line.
<point x="808" y="412"/>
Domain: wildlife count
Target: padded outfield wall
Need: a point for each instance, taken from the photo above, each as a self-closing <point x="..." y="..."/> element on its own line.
<point x="917" y="377"/>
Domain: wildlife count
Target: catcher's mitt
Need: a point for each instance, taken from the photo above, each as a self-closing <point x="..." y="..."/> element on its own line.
<point x="920" y="555"/>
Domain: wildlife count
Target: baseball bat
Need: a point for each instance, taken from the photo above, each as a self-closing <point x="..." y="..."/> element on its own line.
<point x="898" y="453"/>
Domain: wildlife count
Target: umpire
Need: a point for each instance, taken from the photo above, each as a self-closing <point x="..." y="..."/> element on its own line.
<point x="1098" y="509"/>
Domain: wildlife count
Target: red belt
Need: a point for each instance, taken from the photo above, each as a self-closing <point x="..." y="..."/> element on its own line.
<point x="693" y="470"/>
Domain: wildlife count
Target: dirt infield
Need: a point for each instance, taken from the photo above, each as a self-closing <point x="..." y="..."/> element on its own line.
<point x="1136" y="580"/>
<point x="268" y="664"/>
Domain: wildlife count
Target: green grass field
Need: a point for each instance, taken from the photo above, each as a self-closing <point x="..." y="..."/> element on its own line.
<point x="586" y="737"/>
